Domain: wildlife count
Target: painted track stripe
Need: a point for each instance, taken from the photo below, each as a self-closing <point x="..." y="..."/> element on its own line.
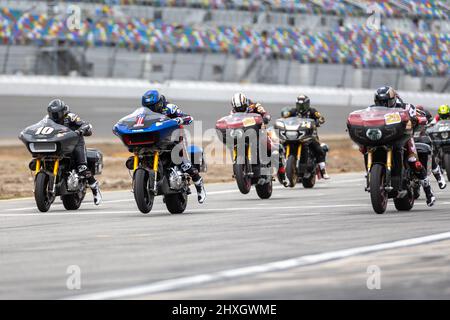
<point x="101" y="212"/>
<point x="202" y="279"/>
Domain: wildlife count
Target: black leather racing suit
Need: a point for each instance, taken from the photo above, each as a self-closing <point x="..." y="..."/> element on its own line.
<point x="84" y="129"/>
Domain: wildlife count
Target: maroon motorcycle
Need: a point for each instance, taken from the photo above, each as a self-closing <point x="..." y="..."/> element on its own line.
<point x="382" y="133"/>
<point x="241" y="133"/>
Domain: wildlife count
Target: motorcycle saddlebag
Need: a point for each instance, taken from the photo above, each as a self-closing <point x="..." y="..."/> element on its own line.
<point x="95" y="161"/>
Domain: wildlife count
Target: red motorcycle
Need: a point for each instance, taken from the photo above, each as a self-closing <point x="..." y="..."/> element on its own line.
<point x="382" y="133"/>
<point x="241" y="132"/>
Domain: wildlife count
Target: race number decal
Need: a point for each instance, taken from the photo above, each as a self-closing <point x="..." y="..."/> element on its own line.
<point x="392" y="118"/>
<point x="249" y="122"/>
<point x="44" y="130"/>
<point x="306" y="124"/>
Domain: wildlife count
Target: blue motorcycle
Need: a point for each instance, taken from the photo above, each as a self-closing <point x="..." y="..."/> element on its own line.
<point x="157" y="150"/>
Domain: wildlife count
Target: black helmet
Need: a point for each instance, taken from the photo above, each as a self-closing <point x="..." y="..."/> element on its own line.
<point x="57" y="110"/>
<point x="303" y="103"/>
<point x="386" y="97"/>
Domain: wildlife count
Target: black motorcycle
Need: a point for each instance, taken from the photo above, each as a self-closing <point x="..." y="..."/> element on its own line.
<point x="296" y="135"/>
<point x="440" y="135"/>
<point x="51" y="146"/>
<point x="152" y="137"/>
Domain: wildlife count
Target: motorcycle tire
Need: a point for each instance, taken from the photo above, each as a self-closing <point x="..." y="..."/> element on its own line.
<point x="73" y="201"/>
<point x="142" y="182"/>
<point x="406" y="203"/>
<point x="264" y="191"/>
<point x="244" y="183"/>
<point x="447" y="165"/>
<point x="310" y="182"/>
<point x="176" y="203"/>
<point x="41" y="195"/>
<point x="291" y="170"/>
<point x="378" y="195"/>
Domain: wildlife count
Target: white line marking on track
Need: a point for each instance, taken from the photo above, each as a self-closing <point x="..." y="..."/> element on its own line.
<point x="239" y="209"/>
<point x="202" y="279"/>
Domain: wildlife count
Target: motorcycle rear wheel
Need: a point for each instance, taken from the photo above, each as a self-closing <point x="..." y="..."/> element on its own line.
<point x="142" y="183"/>
<point x="378" y="195"/>
<point x="406" y="203"/>
<point x="41" y="195"/>
<point x="291" y="170"/>
<point x="447" y="164"/>
<point x="176" y="203"/>
<point x="73" y="201"/>
<point x="310" y="182"/>
<point x="264" y="191"/>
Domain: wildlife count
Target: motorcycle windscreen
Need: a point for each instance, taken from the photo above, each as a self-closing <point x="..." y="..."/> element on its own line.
<point x="379" y="125"/>
<point x="48" y="137"/>
<point x="239" y="120"/>
<point x="144" y="127"/>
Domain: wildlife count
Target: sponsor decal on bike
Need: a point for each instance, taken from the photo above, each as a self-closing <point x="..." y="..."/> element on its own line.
<point x="392" y="118"/>
<point x="249" y="122"/>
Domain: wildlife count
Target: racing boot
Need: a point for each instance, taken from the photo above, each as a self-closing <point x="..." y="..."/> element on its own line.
<point x="437" y="172"/>
<point x="323" y="170"/>
<point x="431" y="199"/>
<point x="93" y="184"/>
<point x="201" y="192"/>
<point x="96" y="192"/>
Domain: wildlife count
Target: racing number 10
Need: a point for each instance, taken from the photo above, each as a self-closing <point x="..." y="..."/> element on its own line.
<point x="44" y="130"/>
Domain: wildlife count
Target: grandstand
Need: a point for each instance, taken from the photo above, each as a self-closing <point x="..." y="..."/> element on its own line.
<point x="316" y="42"/>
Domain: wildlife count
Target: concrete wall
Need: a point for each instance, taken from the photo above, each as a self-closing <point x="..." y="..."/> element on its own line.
<point x="197" y="91"/>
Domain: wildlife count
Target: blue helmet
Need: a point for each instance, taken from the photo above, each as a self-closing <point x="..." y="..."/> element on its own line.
<point x="153" y="100"/>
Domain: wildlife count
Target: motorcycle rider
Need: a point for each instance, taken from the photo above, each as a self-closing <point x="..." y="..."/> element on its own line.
<point x="303" y="110"/>
<point x="386" y="96"/>
<point x="157" y="102"/>
<point x="59" y="112"/>
<point x="435" y="168"/>
<point x="443" y="113"/>
<point x="240" y="103"/>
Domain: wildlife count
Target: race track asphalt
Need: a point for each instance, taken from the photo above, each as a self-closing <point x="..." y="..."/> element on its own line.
<point x="223" y="249"/>
<point x="16" y="113"/>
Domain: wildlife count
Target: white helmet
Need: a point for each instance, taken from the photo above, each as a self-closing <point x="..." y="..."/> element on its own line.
<point x="239" y="102"/>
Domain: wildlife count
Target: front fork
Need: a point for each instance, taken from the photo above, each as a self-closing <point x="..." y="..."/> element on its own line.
<point x="248" y="154"/>
<point x="155" y="168"/>
<point x="389" y="157"/>
<point x="52" y="178"/>
<point x="299" y="153"/>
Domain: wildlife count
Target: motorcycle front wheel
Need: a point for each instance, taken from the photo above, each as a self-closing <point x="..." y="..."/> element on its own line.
<point x="41" y="194"/>
<point x="142" y="183"/>
<point x="244" y="182"/>
<point x="291" y="170"/>
<point x="378" y="194"/>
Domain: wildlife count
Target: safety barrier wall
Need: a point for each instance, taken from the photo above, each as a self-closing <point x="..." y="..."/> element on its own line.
<point x="197" y="91"/>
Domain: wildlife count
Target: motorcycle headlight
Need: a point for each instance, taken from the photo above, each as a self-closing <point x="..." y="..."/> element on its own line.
<point x="291" y="135"/>
<point x="237" y="133"/>
<point x="374" y="134"/>
<point x="444" y="135"/>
